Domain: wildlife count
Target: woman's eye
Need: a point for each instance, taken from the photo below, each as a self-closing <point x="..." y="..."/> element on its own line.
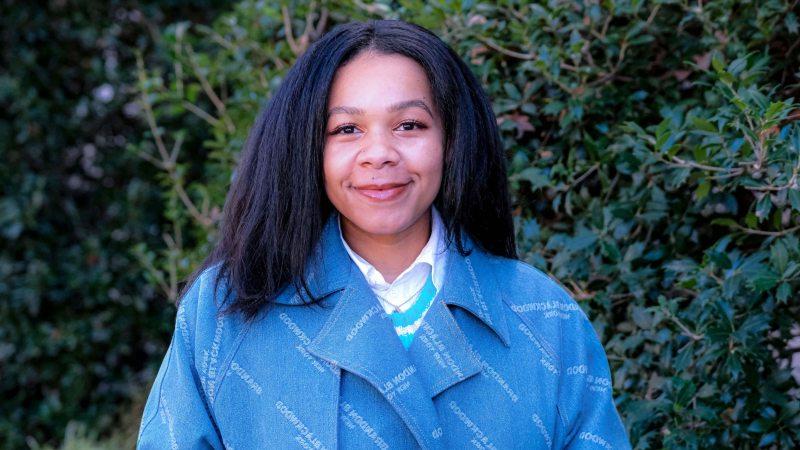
<point x="409" y="126"/>
<point x="345" y="129"/>
<point x="405" y="126"/>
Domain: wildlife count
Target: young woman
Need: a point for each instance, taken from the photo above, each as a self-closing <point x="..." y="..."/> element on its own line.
<point x="365" y="291"/>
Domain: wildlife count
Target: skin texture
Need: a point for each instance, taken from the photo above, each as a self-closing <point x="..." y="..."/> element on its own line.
<point x="383" y="130"/>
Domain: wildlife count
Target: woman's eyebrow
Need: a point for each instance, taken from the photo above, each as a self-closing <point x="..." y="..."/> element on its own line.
<point x="353" y="111"/>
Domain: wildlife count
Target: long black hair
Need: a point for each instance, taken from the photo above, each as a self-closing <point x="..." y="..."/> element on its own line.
<point x="276" y="207"/>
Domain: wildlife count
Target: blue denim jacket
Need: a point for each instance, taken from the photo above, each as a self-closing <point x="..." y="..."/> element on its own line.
<point x="505" y="359"/>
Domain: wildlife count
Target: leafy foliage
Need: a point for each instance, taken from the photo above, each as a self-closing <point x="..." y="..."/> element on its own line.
<point x="654" y="153"/>
<point x="79" y="326"/>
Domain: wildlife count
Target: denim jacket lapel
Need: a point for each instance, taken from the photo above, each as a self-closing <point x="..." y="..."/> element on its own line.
<point x="359" y="337"/>
<point x="441" y="349"/>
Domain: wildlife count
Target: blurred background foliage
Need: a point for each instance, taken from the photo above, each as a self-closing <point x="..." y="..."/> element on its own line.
<point x="654" y="151"/>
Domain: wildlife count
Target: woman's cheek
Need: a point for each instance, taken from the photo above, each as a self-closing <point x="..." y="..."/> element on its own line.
<point x="431" y="157"/>
<point x="332" y="160"/>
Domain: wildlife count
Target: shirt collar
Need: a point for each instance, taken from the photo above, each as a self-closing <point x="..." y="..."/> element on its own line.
<point x="471" y="281"/>
<point x="431" y="254"/>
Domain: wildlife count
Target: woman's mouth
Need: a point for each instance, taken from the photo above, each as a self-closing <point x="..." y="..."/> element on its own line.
<point x="382" y="192"/>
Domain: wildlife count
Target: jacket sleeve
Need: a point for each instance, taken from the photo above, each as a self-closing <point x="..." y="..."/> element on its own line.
<point x="589" y="417"/>
<point x="177" y="414"/>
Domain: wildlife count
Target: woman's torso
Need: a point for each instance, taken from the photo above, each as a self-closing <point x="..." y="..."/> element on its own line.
<point x="504" y="359"/>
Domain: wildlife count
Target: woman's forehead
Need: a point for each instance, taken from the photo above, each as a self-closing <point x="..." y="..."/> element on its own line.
<point x="376" y="82"/>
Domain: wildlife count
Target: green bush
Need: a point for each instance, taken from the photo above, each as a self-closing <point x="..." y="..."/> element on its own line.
<point x="654" y="151"/>
<point x="80" y="328"/>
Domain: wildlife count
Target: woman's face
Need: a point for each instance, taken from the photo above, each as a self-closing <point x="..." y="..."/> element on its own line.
<point x="383" y="153"/>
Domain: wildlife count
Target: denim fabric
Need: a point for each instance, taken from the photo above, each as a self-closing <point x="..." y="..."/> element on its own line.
<point x="504" y="359"/>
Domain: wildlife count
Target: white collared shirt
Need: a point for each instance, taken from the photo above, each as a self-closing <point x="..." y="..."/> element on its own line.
<point x="431" y="259"/>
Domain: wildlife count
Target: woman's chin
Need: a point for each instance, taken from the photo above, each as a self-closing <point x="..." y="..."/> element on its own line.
<point x="384" y="227"/>
<point x="383" y="223"/>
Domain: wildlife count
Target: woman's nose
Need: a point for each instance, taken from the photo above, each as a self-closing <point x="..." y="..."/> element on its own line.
<point x="378" y="149"/>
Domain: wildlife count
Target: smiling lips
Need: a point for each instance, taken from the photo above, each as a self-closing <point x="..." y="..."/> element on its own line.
<point x="382" y="192"/>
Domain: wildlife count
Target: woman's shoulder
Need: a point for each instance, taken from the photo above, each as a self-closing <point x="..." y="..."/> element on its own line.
<point x="528" y="288"/>
<point x="541" y="308"/>
<point x="200" y="316"/>
<point x="204" y="293"/>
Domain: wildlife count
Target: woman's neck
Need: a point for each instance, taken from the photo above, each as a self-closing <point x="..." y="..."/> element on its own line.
<point x="389" y="254"/>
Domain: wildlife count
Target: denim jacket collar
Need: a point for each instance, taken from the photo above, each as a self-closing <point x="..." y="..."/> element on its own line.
<point x="469" y="282"/>
<point x="359" y="337"/>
